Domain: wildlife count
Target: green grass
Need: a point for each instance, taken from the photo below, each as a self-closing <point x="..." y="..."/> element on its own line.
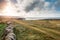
<point x="2" y="27"/>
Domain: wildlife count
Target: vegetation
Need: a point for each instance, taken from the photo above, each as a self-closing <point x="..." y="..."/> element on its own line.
<point x="35" y="30"/>
<point x="2" y="27"/>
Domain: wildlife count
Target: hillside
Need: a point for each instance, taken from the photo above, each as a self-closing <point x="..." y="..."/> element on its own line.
<point x="36" y="30"/>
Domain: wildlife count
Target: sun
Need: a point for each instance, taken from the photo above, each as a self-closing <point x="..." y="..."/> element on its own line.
<point x="9" y="10"/>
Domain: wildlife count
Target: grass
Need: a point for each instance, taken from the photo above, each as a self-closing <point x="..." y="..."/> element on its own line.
<point x="37" y="30"/>
<point x="2" y="27"/>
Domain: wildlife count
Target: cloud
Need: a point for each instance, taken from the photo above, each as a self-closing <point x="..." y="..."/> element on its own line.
<point x="37" y="8"/>
<point x="14" y="1"/>
<point x="1" y="1"/>
<point x="30" y="5"/>
<point x="57" y="5"/>
<point x="46" y="5"/>
<point x="35" y="4"/>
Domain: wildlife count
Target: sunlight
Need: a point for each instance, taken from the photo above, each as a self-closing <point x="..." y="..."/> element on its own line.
<point x="9" y="10"/>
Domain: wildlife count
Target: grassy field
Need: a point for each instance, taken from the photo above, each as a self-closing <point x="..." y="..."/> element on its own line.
<point x="38" y="30"/>
<point x="2" y="27"/>
<point x="35" y="30"/>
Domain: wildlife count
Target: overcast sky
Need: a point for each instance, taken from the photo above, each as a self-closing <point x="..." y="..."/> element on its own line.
<point x="41" y="4"/>
<point x="38" y="8"/>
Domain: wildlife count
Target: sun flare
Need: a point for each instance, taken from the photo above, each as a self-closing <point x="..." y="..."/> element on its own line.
<point x="9" y="10"/>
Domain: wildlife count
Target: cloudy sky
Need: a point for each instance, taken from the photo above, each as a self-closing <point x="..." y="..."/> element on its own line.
<point x="38" y="8"/>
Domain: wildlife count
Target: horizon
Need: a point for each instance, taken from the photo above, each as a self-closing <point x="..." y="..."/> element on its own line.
<point x="32" y="8"/>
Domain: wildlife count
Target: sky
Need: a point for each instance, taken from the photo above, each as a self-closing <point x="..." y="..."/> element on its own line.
<point x="31" y="4"/>
<point x="37" y="8"/>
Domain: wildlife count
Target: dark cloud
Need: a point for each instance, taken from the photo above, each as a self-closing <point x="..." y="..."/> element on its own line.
<point x="1" y="1"/>
<point x="36" y="4"/>
<point x="57" y="5"/>
<point x="14" y="1"/>
<point x="31" y="6"/>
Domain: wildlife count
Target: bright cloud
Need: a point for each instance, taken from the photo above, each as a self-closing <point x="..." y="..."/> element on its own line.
<point x="35" y="8"/>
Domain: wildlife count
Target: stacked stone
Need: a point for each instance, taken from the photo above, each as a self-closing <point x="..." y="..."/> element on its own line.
<point x="9" y="33"/>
